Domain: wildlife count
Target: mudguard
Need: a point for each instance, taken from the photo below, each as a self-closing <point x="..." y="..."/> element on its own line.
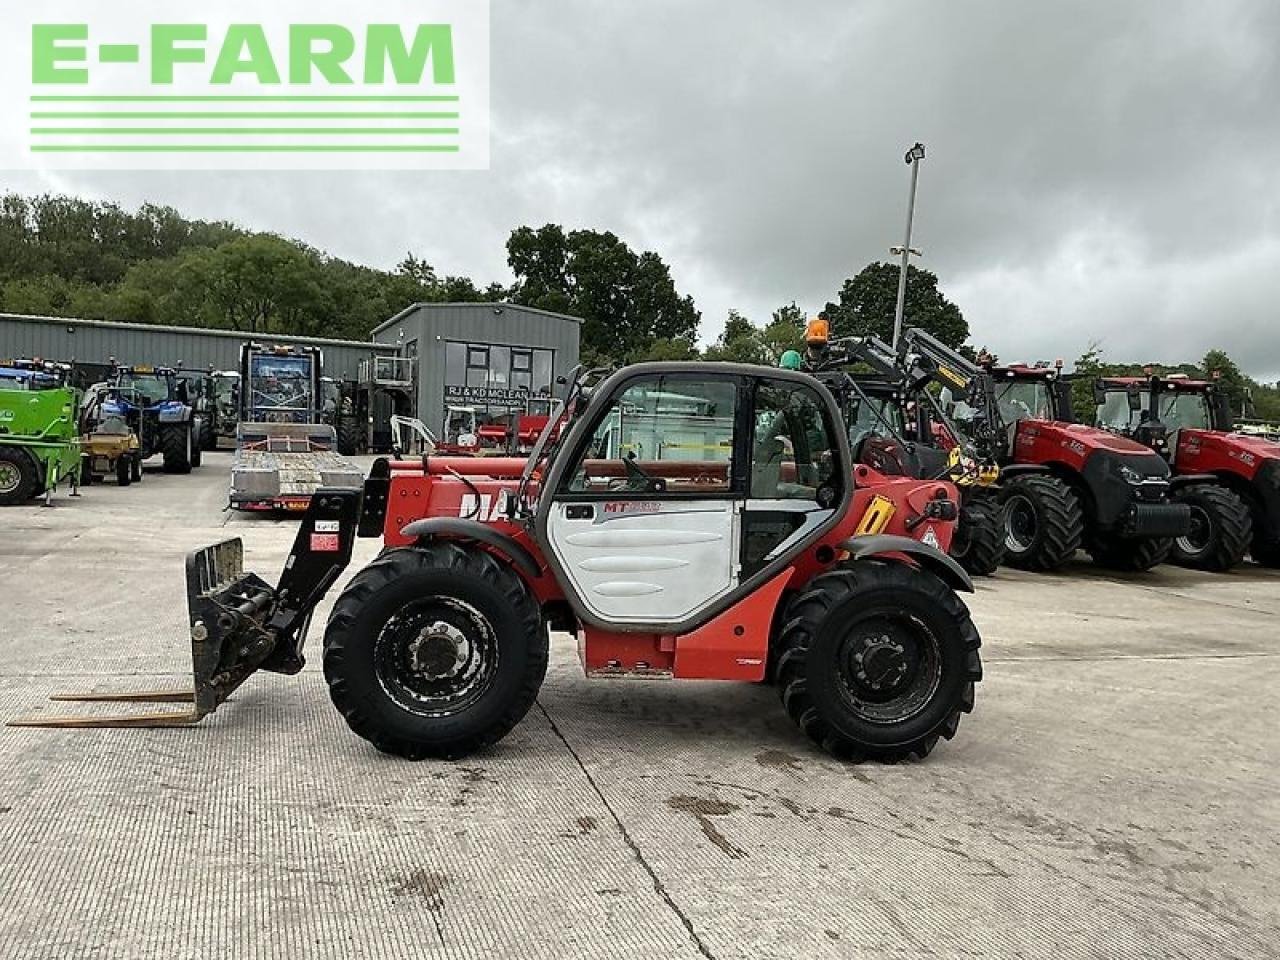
<point x="945" y="568"/>
<point x="1187" y="479"/>
<point x="457" y="528"/>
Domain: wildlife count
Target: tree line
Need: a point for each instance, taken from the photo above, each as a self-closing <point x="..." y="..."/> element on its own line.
<point x="69" y="257"/>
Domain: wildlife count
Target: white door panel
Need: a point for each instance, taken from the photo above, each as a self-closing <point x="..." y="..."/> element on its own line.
<point x="655" y="562"/>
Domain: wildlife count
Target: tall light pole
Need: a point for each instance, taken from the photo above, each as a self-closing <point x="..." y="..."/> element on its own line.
<point x="913" y="158"/>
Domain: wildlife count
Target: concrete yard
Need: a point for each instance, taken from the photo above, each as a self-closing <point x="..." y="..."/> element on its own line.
<point x="1116" y="792"/>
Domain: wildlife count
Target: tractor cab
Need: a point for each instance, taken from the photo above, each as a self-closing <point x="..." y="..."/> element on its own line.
<point x="33" y="375"/>
<point x="1152" y="410"/>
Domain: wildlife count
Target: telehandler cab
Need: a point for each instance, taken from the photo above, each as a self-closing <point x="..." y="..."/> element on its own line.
<point x="693" y="520"/>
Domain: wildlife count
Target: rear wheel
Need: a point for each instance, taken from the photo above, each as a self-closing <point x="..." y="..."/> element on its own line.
<point x="208" y="439"/>
<point x="197" y="452"/>
<point x="979" y="542"/>
<point x="1133" y="556"/>
<point x="175" y="444"/>
<point x="19" y="476"/>
<point x="1221" y="528"/>
<point x="434" y="651"/>
<point x="1042" y="520"/>
<point x="877" y="661"/>
<point x="135" y="467"/>
<point x="124" y="470"/>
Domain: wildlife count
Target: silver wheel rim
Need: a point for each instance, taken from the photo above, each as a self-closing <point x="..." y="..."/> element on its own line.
<point x="1019" y="524"/>
<point x="1197" y="541"/>
<point x="10" y="477"/>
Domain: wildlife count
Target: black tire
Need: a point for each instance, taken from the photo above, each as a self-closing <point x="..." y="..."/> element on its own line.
<point x="208" y="439"/>
<point x="124" y="471"/>
<point x="197" y="452"/>
<point x="398" y="705"/>
<point x="19" y="476"/>
<point x="175" y="444"/>
<point x="1042" y="522"/>
<point x="135" y="467"/>
<point x="1130" y="556"/>
<point x="1221" y="528"/>
<point x="348" y="431"/>
<point x="978" y="544"/>
<point x="861" y="610"/>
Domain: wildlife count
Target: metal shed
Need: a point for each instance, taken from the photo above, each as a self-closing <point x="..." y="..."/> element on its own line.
<point x="97" y="341"/>
<point x="489" y="356"/>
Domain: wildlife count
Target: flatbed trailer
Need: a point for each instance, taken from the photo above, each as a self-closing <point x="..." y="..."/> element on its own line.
<point x="284" y="454"/>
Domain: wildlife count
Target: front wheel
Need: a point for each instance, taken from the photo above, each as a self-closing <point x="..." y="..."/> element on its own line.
<point x="877" y="661"/>
<point x="979" y="542"/>
<point x="19" y="478"/>
<point x="175" y="444"/>
<point x="1221" y="528"/>
<point x="435" y="651"/>
<point x="1043" y="522"/>
<point x="124" y="471"/>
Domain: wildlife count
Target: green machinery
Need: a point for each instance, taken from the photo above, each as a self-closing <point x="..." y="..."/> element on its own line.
<point x="39" y="446"/>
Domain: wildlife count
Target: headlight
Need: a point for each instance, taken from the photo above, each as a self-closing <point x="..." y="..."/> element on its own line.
<point x="1130" y="475"/>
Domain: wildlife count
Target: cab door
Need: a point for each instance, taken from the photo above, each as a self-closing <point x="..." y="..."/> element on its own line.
<point x="645" y="520"/>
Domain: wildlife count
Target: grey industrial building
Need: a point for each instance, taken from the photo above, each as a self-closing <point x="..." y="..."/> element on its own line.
<point x="97" y="342"/>
<point x="489" y="356"/>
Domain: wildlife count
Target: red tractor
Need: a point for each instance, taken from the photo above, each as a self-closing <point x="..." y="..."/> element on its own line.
<point x="1065" y="485"/>
<point x="691" y="520"/>
<point x="1229" y="481"/>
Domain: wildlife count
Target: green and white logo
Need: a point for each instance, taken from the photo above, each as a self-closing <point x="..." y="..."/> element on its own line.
<point x="230" y="84"/>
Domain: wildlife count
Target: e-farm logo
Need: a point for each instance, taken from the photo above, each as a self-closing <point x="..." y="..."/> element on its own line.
<point x="328" y="84"/>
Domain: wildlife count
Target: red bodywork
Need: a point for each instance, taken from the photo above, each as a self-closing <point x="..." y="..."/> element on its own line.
<point x="733" y="645"/>
<point x="1070" y="444"/>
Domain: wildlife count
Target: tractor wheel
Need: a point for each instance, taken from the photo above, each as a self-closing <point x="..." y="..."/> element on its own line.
<point x="979" y="544"/>
<point x="1221" y="528"/>
<point x="19" y="476"/>
<point x="1131" y="556"/>
<point x="135" y="467"/>
<point x="208" y="440"/>
<point x="434" y="651"/>
<point x="1042" y="520"/>
<point x="197" y="452"/>
<point x="877" y="661"/>
<point x="348" y="436"/>
<point x="124" y="471"/>
<point x="175" y="444"/>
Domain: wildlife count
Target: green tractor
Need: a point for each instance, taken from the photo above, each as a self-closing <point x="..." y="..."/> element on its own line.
<point x="39" y="446"/>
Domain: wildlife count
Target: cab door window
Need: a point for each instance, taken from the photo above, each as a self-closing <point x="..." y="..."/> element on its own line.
<point x="670" y="435"/>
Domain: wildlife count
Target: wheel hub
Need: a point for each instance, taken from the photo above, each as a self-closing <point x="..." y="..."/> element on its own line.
<point x="439" y="651"/>
<point x="9" y="478"/>
<point x="879" y="663"/>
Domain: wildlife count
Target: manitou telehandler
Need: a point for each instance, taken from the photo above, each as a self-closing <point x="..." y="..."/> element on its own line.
<point x="1230" y="482"/>
<point x="1065" y="485"/>
<point x="695" y="520"/>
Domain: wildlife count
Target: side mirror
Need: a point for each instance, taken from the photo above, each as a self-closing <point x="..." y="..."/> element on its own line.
<point x="1135" y="400"/>
<point x="1099" y="393"/>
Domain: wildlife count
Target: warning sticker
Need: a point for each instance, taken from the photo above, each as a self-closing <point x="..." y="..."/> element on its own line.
<point x="324" y="543"/>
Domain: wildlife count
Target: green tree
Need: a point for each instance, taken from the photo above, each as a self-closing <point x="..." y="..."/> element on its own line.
<point x="627" y="301"/>
<point x="867" y="303"/>
<point x="739" y="342"/>
<point x="1220" y="367"/>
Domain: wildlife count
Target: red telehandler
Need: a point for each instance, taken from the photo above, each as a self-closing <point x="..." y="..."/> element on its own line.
<point x="695" y="520"/>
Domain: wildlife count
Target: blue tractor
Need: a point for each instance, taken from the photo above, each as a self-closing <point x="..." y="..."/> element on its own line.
<point x="154" y="402"/>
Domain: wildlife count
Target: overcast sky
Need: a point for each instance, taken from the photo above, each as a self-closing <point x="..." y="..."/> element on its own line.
<point x="1102" y="171"/>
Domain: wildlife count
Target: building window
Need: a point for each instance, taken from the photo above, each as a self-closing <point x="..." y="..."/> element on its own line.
<point x="497" y="381"/>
